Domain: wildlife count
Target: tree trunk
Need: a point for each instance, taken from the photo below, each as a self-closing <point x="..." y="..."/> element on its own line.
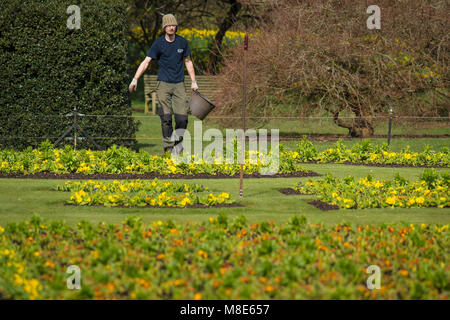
<point x="216" y="46"/>
<point x="361" y="127"/>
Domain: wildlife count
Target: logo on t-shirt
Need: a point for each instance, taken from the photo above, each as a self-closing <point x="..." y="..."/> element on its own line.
<point x="180" y="50"/>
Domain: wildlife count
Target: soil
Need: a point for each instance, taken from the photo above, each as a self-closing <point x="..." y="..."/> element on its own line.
<point x="377" y="165"/>
<point x="152" y="175"/>
<point x="199" y="206"/>
<point x="323" y="205"/>
<point x="290" y="191"/>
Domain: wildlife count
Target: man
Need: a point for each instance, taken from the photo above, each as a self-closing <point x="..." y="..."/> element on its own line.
<point x="170" y="50"/>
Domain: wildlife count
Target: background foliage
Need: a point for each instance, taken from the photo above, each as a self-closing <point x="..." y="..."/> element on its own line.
<point x="47" y="69"/>
<point x="316" y="57"/>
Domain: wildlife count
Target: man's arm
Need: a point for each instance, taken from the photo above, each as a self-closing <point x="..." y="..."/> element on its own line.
<point x="191" y="72"/>
<point x="143" y="66"/>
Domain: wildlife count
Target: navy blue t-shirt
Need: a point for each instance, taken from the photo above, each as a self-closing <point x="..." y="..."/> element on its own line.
<point x="170" y="56"/>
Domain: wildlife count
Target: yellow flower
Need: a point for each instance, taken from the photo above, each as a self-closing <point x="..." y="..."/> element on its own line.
<point x="37" y="254"/>
<point x="173" y="169"/>
<point x="390" y="200"/>
<point x="202" y="253"/>
<point x="224" y="195"/>
<point x="420" y="200"/>
<point x="185" y="201"/>
<point x="378" y="184"/>
<point x="18" y="279"/>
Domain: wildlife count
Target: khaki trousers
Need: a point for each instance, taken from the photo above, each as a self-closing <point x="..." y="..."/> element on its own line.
<point x="172" y="101"/>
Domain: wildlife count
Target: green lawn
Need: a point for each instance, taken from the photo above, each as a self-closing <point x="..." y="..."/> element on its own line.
<point x="21" y="198"/>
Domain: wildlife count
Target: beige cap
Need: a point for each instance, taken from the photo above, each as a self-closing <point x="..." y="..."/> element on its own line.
<point x="169" y="20"/>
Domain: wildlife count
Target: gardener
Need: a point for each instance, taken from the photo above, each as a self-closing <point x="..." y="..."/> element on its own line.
<point x="170" y="50"/>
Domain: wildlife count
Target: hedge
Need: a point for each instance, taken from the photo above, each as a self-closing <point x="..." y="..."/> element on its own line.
<point x="48" y="69"/>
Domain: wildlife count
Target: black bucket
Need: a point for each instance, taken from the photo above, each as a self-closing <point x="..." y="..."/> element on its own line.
<point x="199" y="105"/>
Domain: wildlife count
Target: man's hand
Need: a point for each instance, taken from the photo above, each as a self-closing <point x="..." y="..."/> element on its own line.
<point x="133" y="84"/>
<point x="194" y="85"/>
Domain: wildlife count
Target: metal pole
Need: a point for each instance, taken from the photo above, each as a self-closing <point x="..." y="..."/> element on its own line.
<point x="241" y="178"/>
<point x="390" y="125"/>
<point x="75" y="114"/>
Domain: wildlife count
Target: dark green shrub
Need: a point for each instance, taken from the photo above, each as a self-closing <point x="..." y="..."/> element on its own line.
<point x="47" y="69"/>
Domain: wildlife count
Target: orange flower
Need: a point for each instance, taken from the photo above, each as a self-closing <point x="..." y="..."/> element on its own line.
<point x="144" y="283"/>
<point x="179" y="282"/>
<point x="160" y="256"/>
<point x="198" y="296"/>
<point x="110" y="287"/>
<point x="269" y="288"/>
<point x="404" y="272"/>
<point x="178" y="243"/>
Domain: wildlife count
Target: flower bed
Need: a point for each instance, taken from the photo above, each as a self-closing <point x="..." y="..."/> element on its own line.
<point x="366" y="152"/>
<point x="432" y="190"/>
<point x="132" y="193"/>
<point x="222" y="259"/>
<point x="118" y="160"/>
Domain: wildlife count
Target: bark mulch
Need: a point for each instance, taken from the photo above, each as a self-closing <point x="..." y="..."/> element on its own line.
<point x="195" y="206"/>
<point x="316" y="203"/>
<point x="290" y="191"/>
<point x="376" y="164"/>
<point x="323" y="205"/>
<point x="150" y="175"/>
